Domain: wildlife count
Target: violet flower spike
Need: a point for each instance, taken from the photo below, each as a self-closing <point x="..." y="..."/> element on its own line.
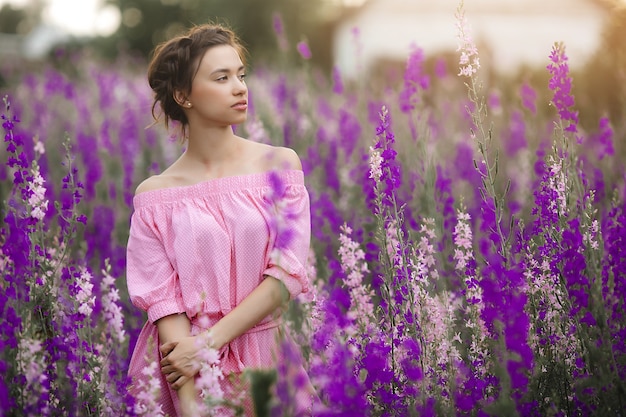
<point x="561" y="84"/>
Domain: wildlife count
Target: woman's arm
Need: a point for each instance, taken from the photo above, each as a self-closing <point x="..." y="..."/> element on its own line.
<point x="262" y="301"/>
<point x="172" y="329"/>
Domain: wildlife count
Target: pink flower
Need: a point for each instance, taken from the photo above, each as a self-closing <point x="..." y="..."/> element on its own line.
<point x="557" y="182"/>
<point x="469" y="61"/>
<point x="37" y="200"/>
<point x="256" y="130"/>
<point x="279" y="30"/>
<point x="376" y="161"/>
<point x="354" y="266"/>
<point x="32" y="361"/>
<point x="111" y="310"/>
<point x="463" y="241"/>
<point x="210" y="375"/>
<point x="148" y="393"/>
<point x="304" y="50"/>
<point x="39" y="148"/>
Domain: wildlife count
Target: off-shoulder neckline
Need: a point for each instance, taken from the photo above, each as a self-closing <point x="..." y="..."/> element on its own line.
<point x="219" y="185"/>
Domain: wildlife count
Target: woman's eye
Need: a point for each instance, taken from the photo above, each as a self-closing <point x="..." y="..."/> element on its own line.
<point x="242" y="76"/>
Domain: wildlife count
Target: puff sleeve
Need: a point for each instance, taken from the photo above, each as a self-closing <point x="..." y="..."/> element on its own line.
<point x="152" y="281"/>
<point x="290" y="239"/>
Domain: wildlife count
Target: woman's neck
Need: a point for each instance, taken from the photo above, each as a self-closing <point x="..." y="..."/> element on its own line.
<point x="212" y="146"/>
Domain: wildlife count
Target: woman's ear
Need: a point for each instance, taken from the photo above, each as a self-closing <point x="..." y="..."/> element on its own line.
<point x="181" y="99"/>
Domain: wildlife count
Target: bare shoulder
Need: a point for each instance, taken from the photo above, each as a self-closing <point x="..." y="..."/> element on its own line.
<point x="278" y="157"/>
<point x="155" y="182"/>
<point x="288" y="158"/>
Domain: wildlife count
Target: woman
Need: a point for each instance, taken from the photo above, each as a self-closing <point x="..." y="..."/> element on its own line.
<point x="202" y="254"/>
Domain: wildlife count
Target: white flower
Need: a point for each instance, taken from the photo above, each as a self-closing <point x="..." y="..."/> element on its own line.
<point x="376" y="161"/>
<point x="84" y="296"/>
<point x="468" y="61"/>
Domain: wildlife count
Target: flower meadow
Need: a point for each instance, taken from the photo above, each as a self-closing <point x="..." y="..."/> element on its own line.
<point x="468" y="240"/>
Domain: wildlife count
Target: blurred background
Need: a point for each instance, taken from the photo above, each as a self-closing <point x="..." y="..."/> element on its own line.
<point x="368" y="41"/>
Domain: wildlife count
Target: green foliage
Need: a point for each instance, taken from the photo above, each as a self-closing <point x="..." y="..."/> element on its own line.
<point x="261" y="382"/>
<point x="11" y="18"/>
<point x="145" y="23"/>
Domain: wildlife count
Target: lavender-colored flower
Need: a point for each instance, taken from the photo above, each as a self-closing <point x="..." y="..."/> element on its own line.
<point x="614" y="281"/>
<point x="354" y="266"/>
<point x="349" y="131"/>
<point x="279" y="30"/>
<point x="256" y="130"/>
<point x="444" y="202"/>
<point x="529" y="97"/>
<point x="304" y="50"/>
<point x="561" y="84"/>
<point x="414" y="80"/>
<point x="391" y="173"/>
<point x="281" y="223"/>
<point x="337" y="82"/>
<point x="32" y="362"/>
<point x="604" y="139"/>
<point x="516" y="140"/>
<point x="441" y="70"/>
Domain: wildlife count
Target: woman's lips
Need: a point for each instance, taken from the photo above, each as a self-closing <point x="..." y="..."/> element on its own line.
<point x="241" y="105"/>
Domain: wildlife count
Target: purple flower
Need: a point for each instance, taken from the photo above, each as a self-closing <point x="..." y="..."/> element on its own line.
<point x="529" y="97"/>
<point x="279" y="30"/>
<point x="444" y="200"/>
<point x="337" y="82"/>
<point x="441" y="70"/>
<point x="304" y="50"/>
<point x="414" y="80"/>
<point x="604" y="139"/>
<point x="561" y="84"/>
<point x="516" y="140"/>
<point x="391" y="173"/>
<point x="349" y="131"/>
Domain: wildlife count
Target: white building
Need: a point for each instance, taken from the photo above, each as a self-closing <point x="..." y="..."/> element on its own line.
<point x="34" y="46"/>
<point x="508" y="33"/>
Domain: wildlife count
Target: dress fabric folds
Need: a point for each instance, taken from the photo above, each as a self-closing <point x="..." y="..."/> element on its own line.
<point x="200" y="250"/>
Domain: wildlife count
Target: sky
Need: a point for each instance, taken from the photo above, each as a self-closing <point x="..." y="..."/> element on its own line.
<point x="87" y="17"/>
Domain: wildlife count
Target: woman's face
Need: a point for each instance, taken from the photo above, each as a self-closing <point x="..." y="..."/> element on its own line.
<point x="219" y="95"/>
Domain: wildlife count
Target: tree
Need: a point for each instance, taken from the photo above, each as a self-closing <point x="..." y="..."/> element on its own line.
<point x="145" y="23"/>
<point x="11" y="18"/>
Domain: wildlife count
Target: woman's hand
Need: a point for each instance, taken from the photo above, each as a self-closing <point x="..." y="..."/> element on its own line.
<point x="180" y="361"/>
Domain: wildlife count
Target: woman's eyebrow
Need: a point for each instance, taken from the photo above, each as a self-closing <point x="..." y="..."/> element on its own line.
<point x="226" y="70"/>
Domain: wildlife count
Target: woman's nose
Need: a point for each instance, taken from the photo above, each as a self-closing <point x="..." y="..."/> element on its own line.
<point x="240" y="86"/>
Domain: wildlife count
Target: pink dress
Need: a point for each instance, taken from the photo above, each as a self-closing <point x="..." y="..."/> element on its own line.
<point x="201" y="249"/>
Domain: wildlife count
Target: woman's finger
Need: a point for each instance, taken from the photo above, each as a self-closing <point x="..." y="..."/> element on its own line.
<point x="172" y="377"/>
<point x="179" y="382"/>
<point x="166" y="348"/>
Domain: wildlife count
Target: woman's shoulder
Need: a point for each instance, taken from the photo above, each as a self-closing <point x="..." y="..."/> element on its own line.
<point x="279" y="158"/>
<point x="155" y="182"/>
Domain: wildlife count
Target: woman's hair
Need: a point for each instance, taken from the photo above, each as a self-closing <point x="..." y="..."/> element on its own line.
<point x="175" y="64"/>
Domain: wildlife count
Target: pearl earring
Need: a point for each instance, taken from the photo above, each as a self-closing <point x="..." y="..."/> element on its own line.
<point x="188" y="104"/>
